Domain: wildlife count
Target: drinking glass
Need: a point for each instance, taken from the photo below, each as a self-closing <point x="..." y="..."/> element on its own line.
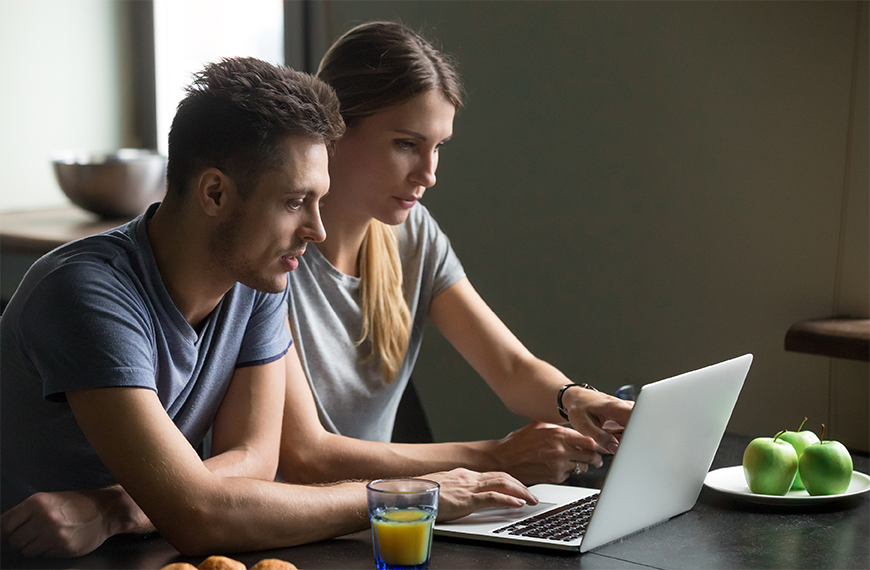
<point x="402" y="512"/>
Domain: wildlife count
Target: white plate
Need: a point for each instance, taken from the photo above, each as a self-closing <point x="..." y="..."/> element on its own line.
<point x="730" y="480"/>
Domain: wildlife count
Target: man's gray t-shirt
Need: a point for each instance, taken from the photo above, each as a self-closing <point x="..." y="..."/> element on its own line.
<point x="351" y="395"/>
<point x="95" y="313"/>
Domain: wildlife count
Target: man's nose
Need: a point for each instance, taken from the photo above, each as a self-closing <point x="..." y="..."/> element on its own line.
<point x="312" y="229"/>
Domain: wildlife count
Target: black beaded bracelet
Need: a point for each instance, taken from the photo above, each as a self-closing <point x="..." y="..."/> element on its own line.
<point x="559" y="407"/>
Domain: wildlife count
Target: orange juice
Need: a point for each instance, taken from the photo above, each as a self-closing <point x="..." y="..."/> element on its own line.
<point x="402" y="537"/>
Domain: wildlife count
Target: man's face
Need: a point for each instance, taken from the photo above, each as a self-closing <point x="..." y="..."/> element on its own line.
<point x="259" y="239"/>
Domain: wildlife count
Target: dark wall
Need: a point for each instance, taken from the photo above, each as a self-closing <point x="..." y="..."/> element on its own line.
<point x="642" y="188"/>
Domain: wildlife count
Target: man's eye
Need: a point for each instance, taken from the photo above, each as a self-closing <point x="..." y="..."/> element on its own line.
<point x="294" y="204"/>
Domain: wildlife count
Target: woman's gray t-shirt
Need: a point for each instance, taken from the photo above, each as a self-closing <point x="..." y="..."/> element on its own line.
<point x="351" y="395"/>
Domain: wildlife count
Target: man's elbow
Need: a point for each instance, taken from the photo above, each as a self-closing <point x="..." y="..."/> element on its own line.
<point x="193" y="534"/>
<point x="192" y="546"/>
<point x="302" y="467"/>
<point x="206" y="532"/>
<point x="199" y="518"/>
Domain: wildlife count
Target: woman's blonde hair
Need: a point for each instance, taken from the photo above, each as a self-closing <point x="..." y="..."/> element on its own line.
<point x="372" y="67"/>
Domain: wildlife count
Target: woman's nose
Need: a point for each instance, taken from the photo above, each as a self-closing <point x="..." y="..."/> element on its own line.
<point x="424" y="174"/>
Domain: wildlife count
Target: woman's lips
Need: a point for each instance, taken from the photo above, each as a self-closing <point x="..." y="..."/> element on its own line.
<point x="407" y="203"/>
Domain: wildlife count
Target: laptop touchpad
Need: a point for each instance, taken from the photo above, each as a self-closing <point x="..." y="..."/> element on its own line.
<point x="502" y="515"/>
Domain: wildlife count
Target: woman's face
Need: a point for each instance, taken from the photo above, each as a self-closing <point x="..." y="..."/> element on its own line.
<point x="386" y="161"/>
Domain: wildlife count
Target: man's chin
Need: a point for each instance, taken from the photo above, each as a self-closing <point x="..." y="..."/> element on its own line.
<point x="276" y="285"/>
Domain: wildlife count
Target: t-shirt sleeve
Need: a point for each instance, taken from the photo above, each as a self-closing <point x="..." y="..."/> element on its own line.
<point x="83" y="329"/>
<point x="267" y="337"/>
<point x="440" y="259"/>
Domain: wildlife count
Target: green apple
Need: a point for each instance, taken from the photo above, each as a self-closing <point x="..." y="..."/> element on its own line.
<point x="826" y="467"/>
<point x="770" y="465"/>
<point x="799" y="440"/>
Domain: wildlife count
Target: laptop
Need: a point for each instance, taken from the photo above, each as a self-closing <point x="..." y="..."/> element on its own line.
<point x="665" y="453"/>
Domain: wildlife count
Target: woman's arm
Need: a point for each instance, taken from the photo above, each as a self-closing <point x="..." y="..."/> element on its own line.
<point x="527" y="385"/>
<point x="537" y="453"/>
<point x="310" y="454"/>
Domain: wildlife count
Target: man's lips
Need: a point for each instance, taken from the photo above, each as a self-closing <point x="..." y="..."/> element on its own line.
<point x="290" y="260"/>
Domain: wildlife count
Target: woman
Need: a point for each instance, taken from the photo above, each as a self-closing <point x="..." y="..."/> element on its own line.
<point x="359" y="300"/>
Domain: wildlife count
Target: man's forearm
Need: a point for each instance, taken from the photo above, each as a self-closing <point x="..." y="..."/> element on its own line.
<point x="245" y="514"/>
<point x="123" y="515"/>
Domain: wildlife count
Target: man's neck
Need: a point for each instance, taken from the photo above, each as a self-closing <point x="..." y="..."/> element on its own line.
<point x="180" y="250"/>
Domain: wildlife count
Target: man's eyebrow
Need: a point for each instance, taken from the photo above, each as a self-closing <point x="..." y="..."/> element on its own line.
<point x="300" y="191"/>
<point x="304" y="193"/>
<point x="420" y="136"/>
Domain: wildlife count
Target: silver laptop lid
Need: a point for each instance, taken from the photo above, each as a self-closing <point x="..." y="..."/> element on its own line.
<point x="666" y="450"/>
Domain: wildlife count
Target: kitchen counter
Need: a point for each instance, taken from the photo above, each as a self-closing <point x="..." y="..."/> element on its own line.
<point x="36" y="232"/>
<point x="840" y="337"/>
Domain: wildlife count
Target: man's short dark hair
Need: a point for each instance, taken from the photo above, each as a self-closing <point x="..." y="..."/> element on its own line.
<point x="235" y="115"/>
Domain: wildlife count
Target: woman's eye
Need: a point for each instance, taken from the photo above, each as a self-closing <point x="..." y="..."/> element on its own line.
<point x="405" y="145"/>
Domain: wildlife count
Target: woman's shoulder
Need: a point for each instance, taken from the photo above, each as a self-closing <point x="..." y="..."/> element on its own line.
<point x="420" y="236"/>
<point x="420" y="224"/>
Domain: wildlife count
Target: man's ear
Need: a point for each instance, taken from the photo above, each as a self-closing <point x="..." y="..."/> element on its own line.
<point x="214" y="190"/>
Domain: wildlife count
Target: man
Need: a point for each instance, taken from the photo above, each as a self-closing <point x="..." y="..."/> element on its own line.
<point x="119" y="351"/>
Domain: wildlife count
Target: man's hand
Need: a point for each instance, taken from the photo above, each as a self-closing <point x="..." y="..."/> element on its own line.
<point x="545" y="453"/>
<point x="463" y="492"/>
<point x="597" y="415"/>
<point x="70" y="523"/>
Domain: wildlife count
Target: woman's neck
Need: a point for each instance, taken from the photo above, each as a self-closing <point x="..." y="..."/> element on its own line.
<point x="344" y="238"/>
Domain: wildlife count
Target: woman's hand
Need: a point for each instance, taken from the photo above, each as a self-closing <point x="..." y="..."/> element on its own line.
<point x="463" y="492"/>
<point x="545" y="453"/>
<point x="597" y="415"/>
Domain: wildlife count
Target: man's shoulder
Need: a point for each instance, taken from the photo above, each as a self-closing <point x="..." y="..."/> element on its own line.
<point x="99" y="248"/>
<point x="86" y="260"/>
<point x="89" y="270"/>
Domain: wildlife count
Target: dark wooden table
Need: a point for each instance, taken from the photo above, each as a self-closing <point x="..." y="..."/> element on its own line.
<point x="718" y="532"/>
<point x="36" y="232"/>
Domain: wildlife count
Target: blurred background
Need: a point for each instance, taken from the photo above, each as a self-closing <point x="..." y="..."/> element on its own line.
<point x="636" y="188"/>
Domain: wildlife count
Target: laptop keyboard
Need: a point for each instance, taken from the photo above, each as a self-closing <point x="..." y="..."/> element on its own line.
<point x="566" y="523"/>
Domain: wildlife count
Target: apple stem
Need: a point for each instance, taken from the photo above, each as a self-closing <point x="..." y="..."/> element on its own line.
<point x="821" y="439"/>
<point x="802" y="423"/>
<point x="782" y="432"/>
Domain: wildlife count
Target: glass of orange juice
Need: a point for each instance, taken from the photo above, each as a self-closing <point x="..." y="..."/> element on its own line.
<point x="402" y="512"/>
